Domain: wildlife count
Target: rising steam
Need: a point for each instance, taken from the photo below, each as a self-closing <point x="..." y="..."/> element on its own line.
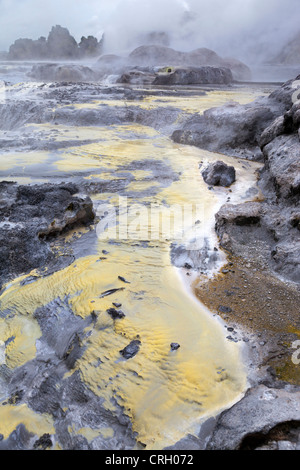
<point x="250" y="30"/>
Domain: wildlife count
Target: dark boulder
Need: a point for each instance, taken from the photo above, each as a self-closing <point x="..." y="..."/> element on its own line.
<point x="30" y="216"/>
<point x="219" y="174"/>
<point x="131" y="350"/>
<point x="115" y="314"/>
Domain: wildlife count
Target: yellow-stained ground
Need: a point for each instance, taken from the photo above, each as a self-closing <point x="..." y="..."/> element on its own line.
<point x="165" y="393"/>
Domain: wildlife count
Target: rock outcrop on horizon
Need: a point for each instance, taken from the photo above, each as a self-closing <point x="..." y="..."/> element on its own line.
<point x="166" y="56"/>
<point x="153" y="57"/>
<point x="59" y="45"/>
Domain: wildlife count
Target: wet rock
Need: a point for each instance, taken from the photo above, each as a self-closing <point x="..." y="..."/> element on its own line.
<point x="14" y="114"/>
<point x="285" y="124"/>
<point x="29" y="216"/>
<point x="44" y="442"/>
<point x="235" y="129"/>
<point x="131" y="350"/>
<point x="247" y="213"/>
<point x="266" y="409"/>
<point x="111" y="63"/>
<point x="219" y="174"/>
<point x="19" y="439"/>
<point x="123" y="279"/>
<point x="282" y="156"/>
<point x="115" y="314"/>
<point x="195" y="76"/>
<point x="110" y="292"/>
<point x="274" y="130"/>
<point x="51" y="386"/>
<point x="231" y="129"/>
<point x="79" y="211"/>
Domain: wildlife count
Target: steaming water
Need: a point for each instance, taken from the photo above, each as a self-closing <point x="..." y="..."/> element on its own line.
<point x="165" y="393"/>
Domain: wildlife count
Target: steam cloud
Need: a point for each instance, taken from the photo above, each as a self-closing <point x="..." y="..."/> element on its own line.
<point x="251" y="30"/>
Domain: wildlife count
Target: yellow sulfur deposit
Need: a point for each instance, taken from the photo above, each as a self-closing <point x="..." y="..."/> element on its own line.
<point x="165" y="393"/>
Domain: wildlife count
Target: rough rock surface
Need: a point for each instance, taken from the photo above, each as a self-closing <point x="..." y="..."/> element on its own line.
<point x="273" y="421"/>
<point x="58" y="390"/>
<point x="195" y="76"/>
<point x="219" y="174"/>
<point x="31" y="215"/>
<point x="62" y="73"/>
<point x="131" y="349"/>
<point x="236" y="129"/>
<point x="260" y="286"/>
<point x="272" y="222"/>
<point x="269" y="229"/>
<point x="156" y="55"/>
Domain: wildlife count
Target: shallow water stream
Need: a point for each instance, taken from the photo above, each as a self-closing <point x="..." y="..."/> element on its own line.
<point x="158" y="202"/>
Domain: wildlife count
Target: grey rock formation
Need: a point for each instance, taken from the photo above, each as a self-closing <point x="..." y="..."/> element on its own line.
<point x="155" y="55"/>
<point x="236" y="129"/>
<point x="267" y="410"/>
<point x="135" y="76"/>
<point x="269" y="230"/>
<point x="50" y="384"/>
<point x="195" y="76"/>
<point x="219" y="174"/>
<point x="131" y="350"/>
<point x="62" y="73"/>
<point x="31" y="215"/>
<point x="191" y="66"/>
<point x="59" y="45"/>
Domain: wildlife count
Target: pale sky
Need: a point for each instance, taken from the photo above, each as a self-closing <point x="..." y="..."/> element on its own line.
<point x="238" y="28"/>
